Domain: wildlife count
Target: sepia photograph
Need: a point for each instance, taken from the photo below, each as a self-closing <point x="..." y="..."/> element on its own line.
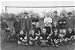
<point x="37" y="25"/>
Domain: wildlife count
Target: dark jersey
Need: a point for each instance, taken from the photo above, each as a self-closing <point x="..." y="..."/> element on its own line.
<point x="22" y="36"/>
<point x="32" y="36"/>
<point x="54" y="28"/>
<point x="17" y="25"/>
<point x="68" y="35"/>
<point x="62" y="23"/>
<point x="37" y="30"/>
<point x="4" y="25"/>
<point x="53" y="36"/>
<point x="35" y="20"/>
<point x="44" y="36"/>
<point x="48" y="29"/>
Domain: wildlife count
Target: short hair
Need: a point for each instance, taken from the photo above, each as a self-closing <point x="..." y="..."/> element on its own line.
<point x="25" y="13"/>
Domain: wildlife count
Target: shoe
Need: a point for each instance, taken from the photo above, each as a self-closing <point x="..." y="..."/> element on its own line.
<point x="19" y="42"/>
<point x="48" y="45"/>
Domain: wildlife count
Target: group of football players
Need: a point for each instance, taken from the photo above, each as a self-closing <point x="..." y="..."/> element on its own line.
<point x="48" y="31"/>
<point x="55" y="32"/>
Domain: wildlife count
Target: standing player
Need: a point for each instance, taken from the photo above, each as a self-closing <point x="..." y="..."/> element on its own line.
<point x="17" y="26"/>
<point x="48" y="19"/>
<point x="62" y="24"/>
<point x="34" y="19"/>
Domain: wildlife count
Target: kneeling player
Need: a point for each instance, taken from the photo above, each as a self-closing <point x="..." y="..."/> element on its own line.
<point x="55" y="38"/>
<point x="62" y="36"/>
<point x="43" y="38"/>
<point x="49" y="39"/>
<point x="22" y="38"/>
<point x="32" y="38"/>
<point x="70" y="35"/>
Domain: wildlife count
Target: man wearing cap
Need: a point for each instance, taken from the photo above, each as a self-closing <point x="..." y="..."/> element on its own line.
<point x="56" y="17"/>
<point x="26" y="24"/>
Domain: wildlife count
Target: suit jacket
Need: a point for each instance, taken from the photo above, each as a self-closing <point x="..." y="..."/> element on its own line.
<point x="26" y="23"/>
<point x="70" y="22"/>
<point x="17" y="25"/>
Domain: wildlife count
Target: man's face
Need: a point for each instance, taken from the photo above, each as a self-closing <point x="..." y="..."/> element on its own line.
<point x="35" y="15"/>
<point x="44" y="31"/>
<point x="47" y="15"/>
<point x="70" y="30"/>
<point x="17" y="18"/>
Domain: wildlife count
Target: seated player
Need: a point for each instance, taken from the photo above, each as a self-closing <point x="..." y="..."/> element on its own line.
<point x="62" y="36"/>
<point x="73" y="38"/>
<point x="54" y="26"/>
<point x="32" y="38"/>
<point x="70" y="34"/>
<point x="43" y="38"/>
<point x="55" y="38"/>
<point x="49" y="39"/>
<point x="37" y="29"/>
<point x="5" y="29"/>
<point x="22" y="38"/>
<point x="48" y="29"/>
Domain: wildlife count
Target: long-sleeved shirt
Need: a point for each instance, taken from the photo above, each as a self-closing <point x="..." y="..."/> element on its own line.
<point x="70" y="22"/>
<point x="62" y="23"/>
<point x="17" y="25"/>
<point x="55" y="18"/>
<point x="47" y="20"/>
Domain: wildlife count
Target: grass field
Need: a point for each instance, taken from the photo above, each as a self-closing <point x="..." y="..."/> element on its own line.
<point x="14" y="46"/>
